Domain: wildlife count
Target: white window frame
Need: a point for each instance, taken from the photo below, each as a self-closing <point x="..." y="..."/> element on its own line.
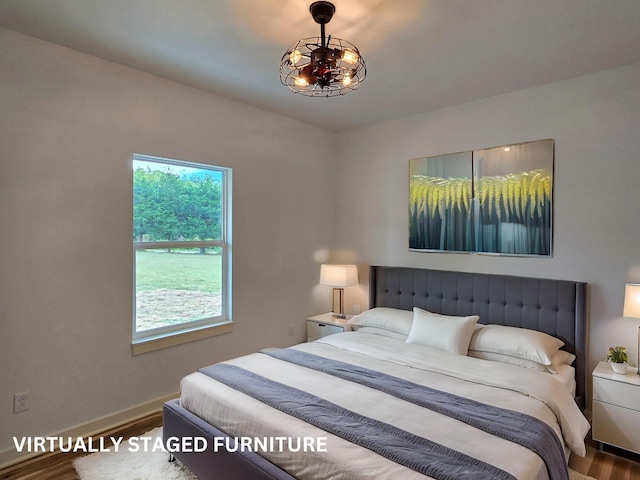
<point x="166" y="336"/>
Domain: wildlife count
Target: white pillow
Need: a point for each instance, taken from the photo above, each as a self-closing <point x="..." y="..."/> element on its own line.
<point x="559" y="358"/>
<point x="518" y="362"/>
<point x="515" y="342"/>
<point x="391" y="319"/>
<point x="442" y="332"/>
<point x="562" y="357"/>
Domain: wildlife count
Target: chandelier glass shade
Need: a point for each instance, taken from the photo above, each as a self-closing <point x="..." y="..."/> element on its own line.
<point x="322" y="66"/>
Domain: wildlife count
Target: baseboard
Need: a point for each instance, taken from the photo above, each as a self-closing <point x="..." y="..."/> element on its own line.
<point x="93" y="428"/>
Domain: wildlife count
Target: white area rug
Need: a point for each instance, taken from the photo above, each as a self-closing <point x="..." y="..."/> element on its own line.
<point x="151" y="465"/>
<point x="578" y="476"/>
<point x="128" y="465"/>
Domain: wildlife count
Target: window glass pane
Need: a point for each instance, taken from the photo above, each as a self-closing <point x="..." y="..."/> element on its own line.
<point x="176" y="202"/>
<point x="180" y="215"/>
<point x="177" y="285"/>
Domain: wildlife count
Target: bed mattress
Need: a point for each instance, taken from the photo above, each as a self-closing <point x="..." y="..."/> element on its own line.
<point x="536" y="394"/>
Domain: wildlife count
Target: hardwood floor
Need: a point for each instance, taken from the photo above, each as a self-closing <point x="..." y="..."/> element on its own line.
<point x="611" y="464"/>
<point x="601" y="465"/>
<point x="60" y="467"/>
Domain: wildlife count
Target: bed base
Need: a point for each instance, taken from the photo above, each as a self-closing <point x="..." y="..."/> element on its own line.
<point x="212" y="465"/>
<point x="556" y="307"/>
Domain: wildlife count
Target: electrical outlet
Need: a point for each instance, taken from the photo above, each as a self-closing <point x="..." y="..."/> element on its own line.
<point x="291" y="329"/>
<point x="356" y="309"/>
<point x="20" y="402"/>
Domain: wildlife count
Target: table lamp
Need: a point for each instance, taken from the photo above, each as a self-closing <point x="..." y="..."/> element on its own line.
<point x="338" y="277"/>
<point x="632" y="308"/>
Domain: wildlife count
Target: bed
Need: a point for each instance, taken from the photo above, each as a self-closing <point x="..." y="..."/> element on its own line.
<point x="438" y="380"/>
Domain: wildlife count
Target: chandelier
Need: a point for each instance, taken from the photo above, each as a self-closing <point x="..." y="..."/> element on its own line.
<point x="322" y="66"/>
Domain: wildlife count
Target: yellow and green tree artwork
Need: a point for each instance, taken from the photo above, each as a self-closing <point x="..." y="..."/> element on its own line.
<point x="440" y="213"/>
<point x="504" y="213"/>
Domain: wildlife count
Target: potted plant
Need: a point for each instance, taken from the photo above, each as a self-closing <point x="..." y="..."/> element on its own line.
<point x="617" y="356"/>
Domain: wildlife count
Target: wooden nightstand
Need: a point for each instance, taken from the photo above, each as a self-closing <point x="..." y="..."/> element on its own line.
<point x="326" y="324"/>
<point x="616" y="408"/>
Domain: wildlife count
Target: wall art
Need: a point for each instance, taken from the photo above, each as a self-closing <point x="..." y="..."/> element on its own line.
<point x="496" y="200"/>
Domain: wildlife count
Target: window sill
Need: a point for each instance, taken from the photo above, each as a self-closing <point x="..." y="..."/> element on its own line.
<point x="170" y="340"/>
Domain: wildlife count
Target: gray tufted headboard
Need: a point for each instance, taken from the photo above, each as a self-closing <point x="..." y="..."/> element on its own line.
<point x="556" y="307"/>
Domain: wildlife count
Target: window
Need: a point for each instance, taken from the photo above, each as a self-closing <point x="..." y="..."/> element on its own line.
<point x="181" y="242"/>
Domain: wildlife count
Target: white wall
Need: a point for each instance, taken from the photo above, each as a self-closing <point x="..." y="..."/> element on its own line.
<point x="69" y="124"/>
<point x="594" y="121"/>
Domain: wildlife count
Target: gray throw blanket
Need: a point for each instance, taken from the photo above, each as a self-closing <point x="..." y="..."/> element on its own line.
<point x="412" y="451"/>
<point x="516" y="427"/>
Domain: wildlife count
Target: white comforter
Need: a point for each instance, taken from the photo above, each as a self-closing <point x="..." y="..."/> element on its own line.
<point x="530" y="392"/>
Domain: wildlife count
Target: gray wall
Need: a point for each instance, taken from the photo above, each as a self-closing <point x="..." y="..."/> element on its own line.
<point x="594" y="121"/>
<point x="69" y="125"/>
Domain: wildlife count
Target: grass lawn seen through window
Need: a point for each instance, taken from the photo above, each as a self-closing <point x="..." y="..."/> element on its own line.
<point x="176" y="287"/>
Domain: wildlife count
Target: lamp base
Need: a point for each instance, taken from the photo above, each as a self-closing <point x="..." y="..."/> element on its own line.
<point x="338" y="301"/>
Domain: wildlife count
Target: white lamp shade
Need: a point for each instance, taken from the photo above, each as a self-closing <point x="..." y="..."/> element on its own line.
<point x="338" y="275"/>
<point x="632" y="301"/>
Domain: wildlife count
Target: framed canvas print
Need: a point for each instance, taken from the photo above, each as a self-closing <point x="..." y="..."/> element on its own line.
<point x="496" y="200"/>
<point x="440" y="203"/>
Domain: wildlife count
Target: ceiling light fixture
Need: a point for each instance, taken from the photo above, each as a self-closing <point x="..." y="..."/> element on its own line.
<point x="322" y="66"/>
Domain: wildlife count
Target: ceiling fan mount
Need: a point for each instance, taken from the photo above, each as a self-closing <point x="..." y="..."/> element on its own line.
<point x="322" y="12"/>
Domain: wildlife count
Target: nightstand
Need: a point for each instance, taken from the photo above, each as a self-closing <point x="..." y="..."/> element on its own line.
<point x="616" y="408"/>
<point x="326" y="324"/>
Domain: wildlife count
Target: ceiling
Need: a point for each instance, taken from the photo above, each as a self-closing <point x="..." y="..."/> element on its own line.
<point x="421" y="55"/>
